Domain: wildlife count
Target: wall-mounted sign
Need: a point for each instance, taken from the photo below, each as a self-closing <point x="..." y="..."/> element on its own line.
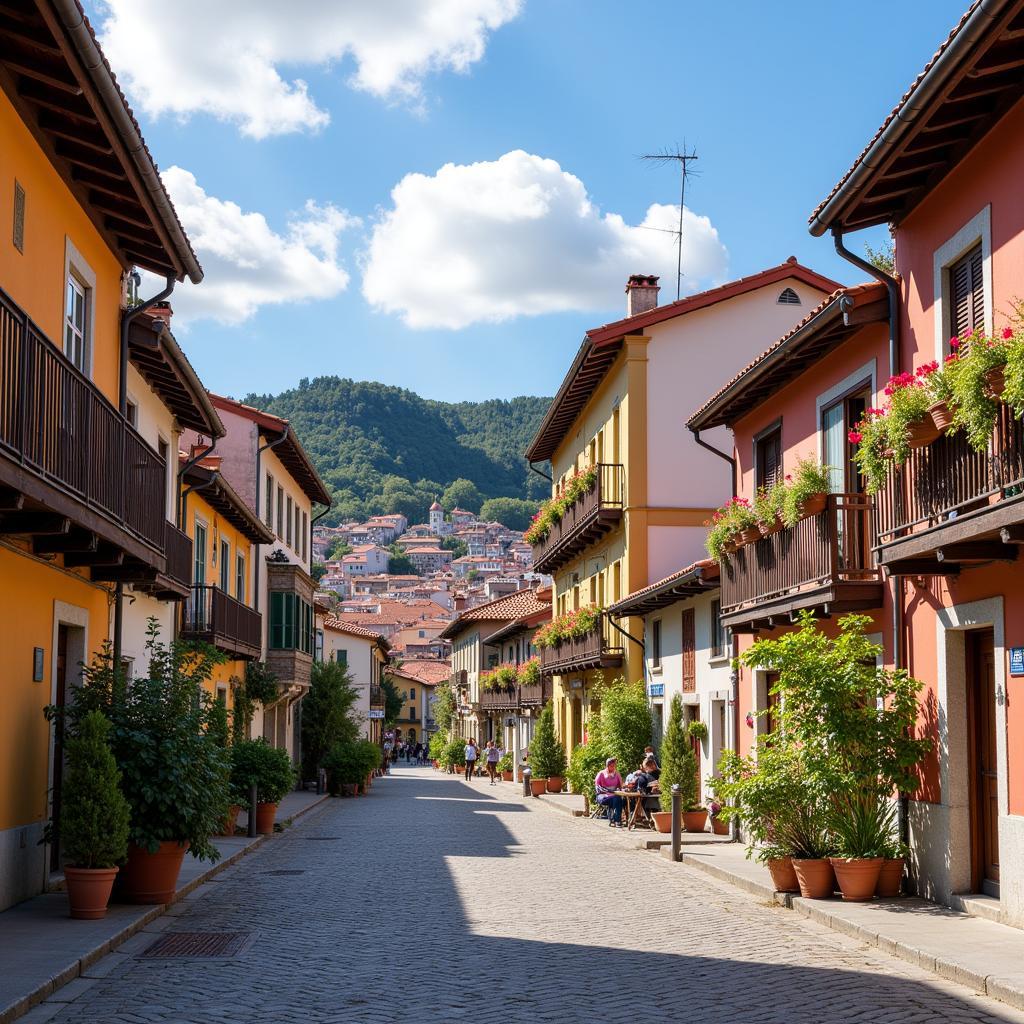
<point x="655" y="689"/>
<point x="576" y="684"/>
<point x="37" y="664"/>
<point x="1017" y="661"/>
<point x="375" y="713"/>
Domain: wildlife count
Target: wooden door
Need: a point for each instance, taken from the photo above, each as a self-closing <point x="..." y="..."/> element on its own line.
<point x="771" y="720"/>
<point x="60" y="700"/>
<point x="689" y="651"/>
<point x="984" y="772"/>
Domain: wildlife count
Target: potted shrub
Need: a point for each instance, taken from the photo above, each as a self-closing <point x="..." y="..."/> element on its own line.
<point x="504" y="766"/>
<point x="454" y="759"/>
<point x="804" y="832"/>
<point x="547" y="755"/>
<point x="437" y="745"/>
<point x="807" y="491"/>
<point x="93" y="818"/>
<point x="174" y="772"/>
<point x="862" y="825"/>
<point x="890" y="878"/>
<point x="256" y="762"/>
<point x="975" y="373"/>
<point x="586" y="760"/>
<point x="675" y="752"/>
<point x="768" y="507"/>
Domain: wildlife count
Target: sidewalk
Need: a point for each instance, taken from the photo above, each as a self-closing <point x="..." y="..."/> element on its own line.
<point x="981" y="954"/>
<point x="42" y="949"/>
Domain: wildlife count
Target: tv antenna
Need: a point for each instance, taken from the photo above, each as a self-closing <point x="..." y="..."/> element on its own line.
<point x="680" y="156"/>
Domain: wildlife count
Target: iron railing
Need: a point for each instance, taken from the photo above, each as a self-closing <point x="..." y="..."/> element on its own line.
<point x="215" y="617"/>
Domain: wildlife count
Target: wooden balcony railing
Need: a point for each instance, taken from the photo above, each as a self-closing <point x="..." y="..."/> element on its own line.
<point x="217" y="618"/>
<point x="592" y="650"/>
<point x="376" y="697"/>
<point x="948" y="480"/>
<point x="178" y="552"/>
<point x="57" y="425"/>
<point x="499" y="700"/>
<point x="586" y="521"/>
<point x="804" y="565"/>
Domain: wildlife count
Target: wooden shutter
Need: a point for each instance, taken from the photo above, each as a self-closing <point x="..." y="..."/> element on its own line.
<point x="769" y="459"/>
<point x="689" y="652"/>
<point x="968" y="294"/>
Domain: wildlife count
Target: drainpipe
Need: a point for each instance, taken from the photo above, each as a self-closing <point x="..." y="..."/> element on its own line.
<point x="312" y="522"/>
<point x="122" y="404"/>
<point x="892" y="288"/>
<point x="540" y="472"/>
<point x="259" y="481"/>
<point x="711" y="448"/>
<point x="181" y="475"/>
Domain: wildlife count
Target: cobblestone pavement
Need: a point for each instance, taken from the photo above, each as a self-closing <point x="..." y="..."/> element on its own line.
<point x="437" y="901"/>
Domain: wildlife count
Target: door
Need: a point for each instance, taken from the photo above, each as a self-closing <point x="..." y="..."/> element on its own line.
<point x="771" y="698"/>
<point x="199" y="616"/>
<point x="984" y="774"/>
<point x="837" y="420"/>
<point x="60" y="700"/>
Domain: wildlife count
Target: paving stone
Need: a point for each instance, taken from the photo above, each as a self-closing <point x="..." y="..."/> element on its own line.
<point x="457" y="902"/>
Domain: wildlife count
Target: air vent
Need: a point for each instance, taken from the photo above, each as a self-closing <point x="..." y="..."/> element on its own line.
<point x="19" y="217"/>
<point x="788" y="297"/>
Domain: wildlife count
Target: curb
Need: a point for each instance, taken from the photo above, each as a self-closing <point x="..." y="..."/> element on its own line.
<point x="78" y="967"/>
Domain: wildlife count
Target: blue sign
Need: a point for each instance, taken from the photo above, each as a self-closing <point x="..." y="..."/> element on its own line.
<point x="658" y="689"/>
<point x="1017" y="661"/>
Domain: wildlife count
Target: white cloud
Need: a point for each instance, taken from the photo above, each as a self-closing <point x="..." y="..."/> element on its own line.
<point x="224" y="58"/>
<point x="246" y="263"/>
<point x="519" y="236"/>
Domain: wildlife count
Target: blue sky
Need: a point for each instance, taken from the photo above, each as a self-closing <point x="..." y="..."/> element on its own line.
<point x="777" y="99"/>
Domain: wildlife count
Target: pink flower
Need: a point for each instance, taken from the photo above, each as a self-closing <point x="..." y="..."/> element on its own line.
<point x="951" y="358"/>
<point x="1007" y="332"/>
<point x="855" y="437"/>
<point x="954" y="343"/>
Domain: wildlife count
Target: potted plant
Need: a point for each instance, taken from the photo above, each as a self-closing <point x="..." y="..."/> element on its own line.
<point x="504" y="766"/>
<point x="975" y="375"/>
<point x="675" y="750"/>
<point x="719" y="823"/>
<point x="256" y="762"/>
<point x="547" y="755"/>
<point x="804" y="833"/>
<point x="454" y="759"/>
<point x="768" y="507"/>
<point x="174" y="773"/>
<point x="735" y="523"/>
<point x="807" y="490"/>
<point x="862" y="825"/>
<point x="890" y="878"/>
<point x="93" y="818"/>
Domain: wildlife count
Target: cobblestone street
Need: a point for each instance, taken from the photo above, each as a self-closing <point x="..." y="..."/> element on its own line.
<point x="438" y="901"/>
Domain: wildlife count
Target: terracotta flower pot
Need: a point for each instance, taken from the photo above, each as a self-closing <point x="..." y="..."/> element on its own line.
<point x="519" y="774"/>
<point x="506" y="776"/>
<point x="815" y="878"/>
<point x="662" y="820"/>
<point x="941" y="416"/>
<point x="857" y="877"/>
<point x="995" y="383"/>
<point x="922" y="433"/>
<point x="783" y="876"/>
<point x="347" y="789"/>
<point x="767" y="529"/>
<point x="813" y="506"/>
<point x="265" y="814"/>
<point x="89" y="891"/>
<point x="227" y="827"/>
<point x="555" y="783"/>
<point x="538" y="786"/>
<point x="720" y="826"/>
<point x="748" y="536"/>
<point x="152" y="877"/>
<point x="695" y="821"/>
<point x="890" y="878"/>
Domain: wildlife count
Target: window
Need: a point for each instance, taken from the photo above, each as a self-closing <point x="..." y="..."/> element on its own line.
<point x="298" y="531"/>
<point x="967" y="294"/>
<point x="768" y="456"/>
<point x="131" y="413"/>
<point x="222" y="696"/>
<point x="689" y="650"/>
<point x="341" y="657"/>
<point x="305" y="535"/>
<point x="268" y="503"/>
<point x="788" y="297"/>
<point x="837" y="420"/>
<point x="280" y="512"/>
<point x="718" y="632"/>
<point x="199" y="555"/>
<point x="656" y="645"/>
<point x="76" y="323"/>
<point x="291" y="623"/>
<point x="412" y="713"/>
<point x="288" y="521"/>
<point x="240" y="577"/>
<point x="225" y="566"/>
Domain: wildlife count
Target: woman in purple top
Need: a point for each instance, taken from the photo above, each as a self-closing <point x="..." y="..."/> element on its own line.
<point x="606" y="783"/>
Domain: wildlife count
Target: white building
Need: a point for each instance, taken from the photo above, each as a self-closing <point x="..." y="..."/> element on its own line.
<point x="364" y="652"/>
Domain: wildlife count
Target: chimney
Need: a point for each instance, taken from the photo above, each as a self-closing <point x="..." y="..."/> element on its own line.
<point x="161" y="311"/>
<point x="641" y="293"/>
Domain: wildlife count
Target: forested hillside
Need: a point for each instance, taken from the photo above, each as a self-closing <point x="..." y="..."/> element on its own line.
<point x="385" y="449"/>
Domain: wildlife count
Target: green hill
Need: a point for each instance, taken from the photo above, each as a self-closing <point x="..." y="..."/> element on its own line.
<point x="384" y="449"/>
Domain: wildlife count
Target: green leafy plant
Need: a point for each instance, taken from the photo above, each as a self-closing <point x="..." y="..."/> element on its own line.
<point x="174" y="772"/>
<point x="736" y="515"/>
<point x="327" y="714"/>
<point x="553" y="510"/>
<point x="625" y="722"/>
<point x="94" y="813"/>
<point x="505" y="763"/>
<point x="349" y="762"/>
<point x="862" y="826"/>
<point x="437" y="745"/>
<point x="974" y="409"/>
<point x="260" y="683"/>
<point x="443" y="703"/>
<point x="503" y="677"/>
<point x="547" y="755"/>
<point x="697" y="730"/>
<point x="394" y="700"/>
<point x="809" y="479"/>
<point x="454" y="752"/>
<point x="571" y="626"/>
<point x="257" y="762"/>
<point x="678" y="762"/>
<point x="769" y="504"/>
<point x="587" y="759"/>
<point x="873" y="455"/>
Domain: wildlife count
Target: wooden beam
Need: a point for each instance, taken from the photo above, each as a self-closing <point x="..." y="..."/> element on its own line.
<point x="39" y="75"/>
<point x="73" y="540"/>
<point x="33" y="521"/>
<point x="81" y="157"/>
<point x="11" y="500"/>
<point x="105" y="554"/>
<point x="122" y="574"/>
<point x="977" y="551"/>
<point x="922" y="567"/>
<point x="49" y="121"/>
<point x="873" y="312"/>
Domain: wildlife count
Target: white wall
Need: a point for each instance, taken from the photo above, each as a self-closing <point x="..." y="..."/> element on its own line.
<point x="359" y="653"/>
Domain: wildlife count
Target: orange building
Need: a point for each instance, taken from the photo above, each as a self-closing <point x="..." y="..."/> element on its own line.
<point x="86" y="497"/>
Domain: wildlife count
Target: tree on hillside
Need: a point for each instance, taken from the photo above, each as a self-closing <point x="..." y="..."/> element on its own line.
<point x="456" y="545"/>
<point x="462" y="493"/>
<point x="515" y="513"/>
<point x="399" y="563"/>
<point x="339" y="549"/>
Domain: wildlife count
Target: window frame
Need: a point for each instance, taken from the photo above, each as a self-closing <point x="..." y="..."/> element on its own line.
<point x="240" y="581"/>
<point x="773" y="429"/>
<point x="224" y="568"/>
<point x="268" y="503"/>
<point x="656" y="644"/>
<point x="978" y="230"/>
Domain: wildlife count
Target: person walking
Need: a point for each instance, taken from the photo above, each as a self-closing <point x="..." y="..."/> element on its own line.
<point x="491" y="757"/>
<point x="470" y="754"/>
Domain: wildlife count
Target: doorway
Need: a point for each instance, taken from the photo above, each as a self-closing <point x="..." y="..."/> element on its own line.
<point x="982" y="762"/>
<point x="60" y="684"/>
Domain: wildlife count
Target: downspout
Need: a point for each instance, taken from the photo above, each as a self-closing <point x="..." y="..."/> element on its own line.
<point x="892" y="288"/>
<point x="539" y="472"/>
<point x="259" y="481"/>
<point x="312" y="522"/>
<point x="711" y="448"/>
<point x="628" y="636"/>
<point x="122" y="405"/>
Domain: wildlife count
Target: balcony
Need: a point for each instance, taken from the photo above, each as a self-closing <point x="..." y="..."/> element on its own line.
<point x="216" y="618"/>
<point x="951" y="506"/>
<point x="592" y="650"/>
<point x="376" y="697"/>
<point x="518" y="698"/>
<point x="75" y="477"/>
<point x="822" y="564"/>
<point x="592" y="516"/>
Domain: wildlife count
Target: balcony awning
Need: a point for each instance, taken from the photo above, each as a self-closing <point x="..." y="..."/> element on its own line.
<point x="699" y="578"/>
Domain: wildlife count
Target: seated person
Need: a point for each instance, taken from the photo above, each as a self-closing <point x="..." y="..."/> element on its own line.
<point x="606" y="783"/>
<point x="647" y="778"/>
<point x="649" y="756"/>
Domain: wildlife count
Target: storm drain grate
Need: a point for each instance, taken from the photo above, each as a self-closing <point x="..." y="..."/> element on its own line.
<point x="319" y="839"/>
<point x="200" y="944"/>
<point x="285" y="871"/>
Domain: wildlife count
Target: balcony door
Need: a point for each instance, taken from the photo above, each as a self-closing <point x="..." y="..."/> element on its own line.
<point x="199" y="576"/>
<point x="837" y="451"/>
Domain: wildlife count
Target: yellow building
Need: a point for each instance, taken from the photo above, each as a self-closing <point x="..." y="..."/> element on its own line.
<point x="86" y="498"/>
<point x="619" y="418"/>
<point x="224" y="532"/>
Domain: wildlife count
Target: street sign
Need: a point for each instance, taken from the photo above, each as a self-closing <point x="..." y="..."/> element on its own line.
<point x="655" y="689"/>
<point x="376" y="713"/>
<point x="1017" y="661"/>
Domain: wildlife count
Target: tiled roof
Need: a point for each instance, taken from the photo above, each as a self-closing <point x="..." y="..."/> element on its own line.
<point x="343" y="625"/>
<point x="667" y="588"/>
<point x="512" y="606"/>
<point x="426" y="671"/>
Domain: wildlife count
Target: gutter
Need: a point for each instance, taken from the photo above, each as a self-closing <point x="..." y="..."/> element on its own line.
<point x="907" y="114"/>
<point x="80" y="35"/>
<point x="716" y="451"/>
